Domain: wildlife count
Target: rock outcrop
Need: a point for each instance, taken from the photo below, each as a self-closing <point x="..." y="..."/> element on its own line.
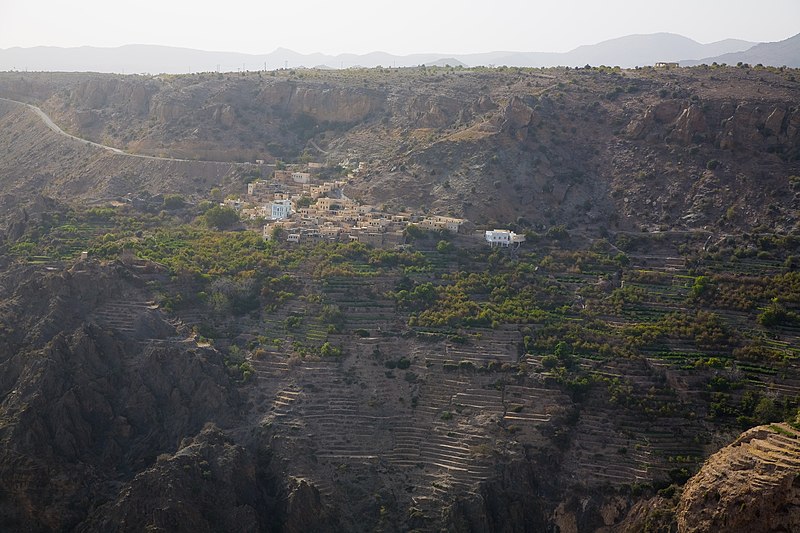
<point x="745" y="125"/>
<point x="208" y="484"/>
<point x="516" y="119"/>
<point x="751" y="485"/>
<point x="323" y="104"/>
<point x="505" y="503"/>
<point x="690" y="125"/>
<point x="655" y="115"/>
<point x="431" y="111"/>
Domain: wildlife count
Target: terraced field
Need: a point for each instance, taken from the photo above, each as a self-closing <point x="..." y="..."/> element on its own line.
<point x="408" y="381"/>
<point x="470" y="397"/>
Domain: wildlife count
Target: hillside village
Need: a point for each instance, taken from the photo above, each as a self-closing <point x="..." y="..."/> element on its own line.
<point x="297" y="206"/>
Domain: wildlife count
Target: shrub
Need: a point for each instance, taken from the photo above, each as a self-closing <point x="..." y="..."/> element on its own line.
<point x="775" y="314"/>
<point x="174" y="201"/>
<point x="549" y="362"/>
<point x="221" y="217"/>
<point x="329" y="350"/>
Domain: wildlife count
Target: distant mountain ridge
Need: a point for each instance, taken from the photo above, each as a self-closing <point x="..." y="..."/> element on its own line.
<point x="627" y="52"/>
<point x="781" y="53"/>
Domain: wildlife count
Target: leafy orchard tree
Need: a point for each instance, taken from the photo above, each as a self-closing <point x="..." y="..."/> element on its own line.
<point x="278" y="233"/>
<point x="221" y="217"/>
<point x="174" y="201"/>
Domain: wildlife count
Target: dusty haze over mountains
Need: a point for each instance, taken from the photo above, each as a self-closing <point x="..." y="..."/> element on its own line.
<point x="444" y="28"/>
<point x="627" y="52"/>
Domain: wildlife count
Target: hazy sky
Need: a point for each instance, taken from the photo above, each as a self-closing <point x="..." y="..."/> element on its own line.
<point x="399" y="27"/>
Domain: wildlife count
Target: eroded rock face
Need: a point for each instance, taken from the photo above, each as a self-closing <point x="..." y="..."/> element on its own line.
<point x="86" y="405"/>
<point x="730" y="125"/>
<point x="654" y="115"/>
<point x="691" y="124"/>
<point x="305" y="511"/>
<point x="507" y="503"/>
<point x="320" y="103"/>
<point x="224" y="115"/>
<point x="208" y="484"/>
<point x="434" y="111"/>
<point x="517" y="117"/>
<point x="131" y="95"/>
<point x="751" y="485"/>
<point x="167" y="111"/>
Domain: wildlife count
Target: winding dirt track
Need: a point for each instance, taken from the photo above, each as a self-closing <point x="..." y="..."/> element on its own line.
<point x="53" y="126"/>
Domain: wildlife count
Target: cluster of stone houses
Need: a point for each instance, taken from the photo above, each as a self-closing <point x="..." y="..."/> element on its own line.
<point x="305" y="210"/>
<point x="451" y="224"/>
<point x="340" y="219"/>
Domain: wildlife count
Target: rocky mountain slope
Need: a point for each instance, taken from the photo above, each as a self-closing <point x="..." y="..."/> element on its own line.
<point x="88" y="400"/>
<point x="676" y="149"/>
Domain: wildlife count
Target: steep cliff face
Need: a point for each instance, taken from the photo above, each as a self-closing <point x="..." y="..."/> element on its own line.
<point x="517" y="500"/>
<point x="751" y="485"/>
<point x="208" y="484"/>
<point x="750" y="126"/>
<point x="128" y="94"/>
<point x="87" y="404"/>
<point x="323" y="104"/>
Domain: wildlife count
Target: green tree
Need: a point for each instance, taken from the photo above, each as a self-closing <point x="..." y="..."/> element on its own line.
<point x="700" y="286"/>
<point x="304" y="201"/>
<point x="221" y="217"/>
<point x="443" y="247"/>
<point x="775" y="314"/>
<point x="766" y="411"/>
<point x="174" y="201"/>
<point x="278" y="234"/>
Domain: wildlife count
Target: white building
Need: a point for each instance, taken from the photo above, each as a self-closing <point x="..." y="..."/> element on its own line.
<point x="281" y="209"/>
<point x="503" y="237"/>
